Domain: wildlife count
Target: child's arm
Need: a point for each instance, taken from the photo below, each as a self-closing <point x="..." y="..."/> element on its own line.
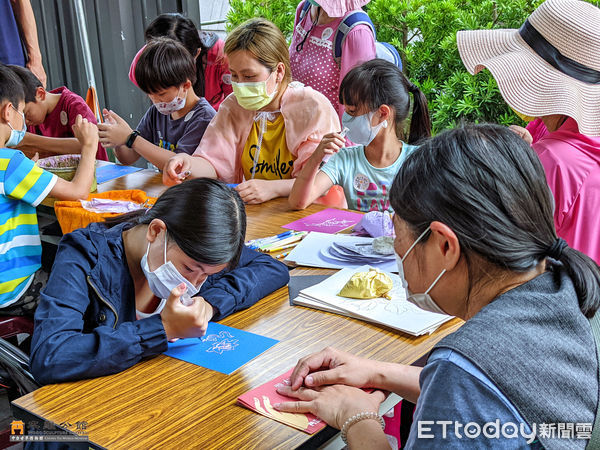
<point x="60" y="146"/>
<point x="114" y="133"/>
<point x="79" y="188"/>
<point x="312" y="183"/>
<point x="256" y="276"/>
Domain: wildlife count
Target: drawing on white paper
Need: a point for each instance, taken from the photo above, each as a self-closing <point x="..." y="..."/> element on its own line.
<point x="222" y="342"/>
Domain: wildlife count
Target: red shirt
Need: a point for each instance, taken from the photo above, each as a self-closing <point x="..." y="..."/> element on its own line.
<point x="58" y="122"/>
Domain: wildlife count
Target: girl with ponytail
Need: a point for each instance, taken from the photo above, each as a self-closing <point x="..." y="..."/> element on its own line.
<point x="475" y="239"/>
<point x="376" y="98"/>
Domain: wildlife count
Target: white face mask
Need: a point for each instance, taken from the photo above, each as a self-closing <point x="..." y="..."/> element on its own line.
<point x="423" y="301"/>
<point x="360" y="130"/>
<point x="167" y="108"/>
<point x="165" y="278"/>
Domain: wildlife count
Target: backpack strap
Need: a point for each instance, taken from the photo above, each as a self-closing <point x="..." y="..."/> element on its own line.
<point x="594" y="441"/>
<point x="352" y="19"/>
<point x="304" y="10"/>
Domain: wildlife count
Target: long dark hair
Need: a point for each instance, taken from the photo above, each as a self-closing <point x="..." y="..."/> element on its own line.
<point x="379" y="82"/>
<point x="182" y="29"/>
<point x="489" y="187"/>
<point x="205" y="218"/>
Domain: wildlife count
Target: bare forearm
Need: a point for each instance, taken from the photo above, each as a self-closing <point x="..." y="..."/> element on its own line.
<point x="282" y="188"/>
<point x="398" y="378"/>
<point x="82" y="181"/>
<point x="24" y="15"/>
<point x="201" y="168"/>
<point x="61" y="146"/>
<point x="303" y="192"/>
<point x="367" y="434"/>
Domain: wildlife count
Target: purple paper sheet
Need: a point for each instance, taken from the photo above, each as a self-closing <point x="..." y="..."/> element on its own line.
<point x="326" y="221"/>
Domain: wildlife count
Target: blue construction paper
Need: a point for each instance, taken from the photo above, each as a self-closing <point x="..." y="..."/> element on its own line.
<point x="232" y="185"/>
<point x="111" y="171"/>
<point x="223" y="349"/>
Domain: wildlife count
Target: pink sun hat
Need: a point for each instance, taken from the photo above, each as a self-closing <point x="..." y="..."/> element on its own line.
<point x="133" y="64"/>
<point x="339" y="8"/>
<point x="551" y="65"/>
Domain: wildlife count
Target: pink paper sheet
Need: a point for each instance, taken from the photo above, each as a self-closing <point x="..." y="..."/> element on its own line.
<point x="326" y="221"/>
<point x="262" y="398"/>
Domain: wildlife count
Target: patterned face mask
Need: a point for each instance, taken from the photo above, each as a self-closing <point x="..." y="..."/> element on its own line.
<point x="167" y="108"/>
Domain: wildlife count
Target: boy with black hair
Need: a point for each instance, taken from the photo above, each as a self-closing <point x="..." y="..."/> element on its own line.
<point x="23" y="185"/>
<point x="51" y="114"/>
<point x="175" y="122"/>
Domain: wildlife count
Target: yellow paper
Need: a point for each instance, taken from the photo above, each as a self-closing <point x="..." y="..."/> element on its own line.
<point x="366" y="285"/>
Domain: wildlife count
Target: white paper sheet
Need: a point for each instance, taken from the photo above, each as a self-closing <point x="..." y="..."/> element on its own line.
<point x="308" y="252"/>
<point x="397" y="313"/>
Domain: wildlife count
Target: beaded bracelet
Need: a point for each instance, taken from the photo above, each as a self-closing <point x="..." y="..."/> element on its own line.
<point x="357" y="418"/>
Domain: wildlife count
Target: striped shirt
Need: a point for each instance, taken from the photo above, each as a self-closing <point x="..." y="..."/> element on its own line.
<point x="23" y="185"/>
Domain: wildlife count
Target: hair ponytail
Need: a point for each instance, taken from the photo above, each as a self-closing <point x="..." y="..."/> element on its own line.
<point x="585" y="275"/>
<point x="420" y="122"/>
<point x="379" y="82"/>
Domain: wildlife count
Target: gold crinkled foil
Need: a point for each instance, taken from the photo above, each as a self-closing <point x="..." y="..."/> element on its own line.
<point x="371" y="284"/>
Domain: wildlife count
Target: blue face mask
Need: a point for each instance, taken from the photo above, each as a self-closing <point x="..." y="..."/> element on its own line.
<point x="16" y="136"/>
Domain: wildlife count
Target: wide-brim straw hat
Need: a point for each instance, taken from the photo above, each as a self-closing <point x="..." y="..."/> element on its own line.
<point x="551" y="65"/>
<point x="339" y="8"/>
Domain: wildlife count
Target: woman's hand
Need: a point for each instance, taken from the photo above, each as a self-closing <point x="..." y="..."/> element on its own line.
<point x="331" y="366"/>
<point x="181" y="321"/>
<point x="256" y="191"/>
<point x="114" y="131"/>
<point x="333" y="404"/>
<point x="177" y="169"/>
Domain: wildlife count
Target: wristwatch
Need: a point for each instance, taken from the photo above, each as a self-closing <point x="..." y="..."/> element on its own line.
<point x="131" y="138"/>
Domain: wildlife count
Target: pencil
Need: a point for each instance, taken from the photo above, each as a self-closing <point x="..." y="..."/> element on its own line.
<point x="283" y="255"/>
<point x="273" y="250"/>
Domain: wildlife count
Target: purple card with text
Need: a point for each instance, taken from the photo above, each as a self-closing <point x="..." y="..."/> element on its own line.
<point x="326" y="221"/>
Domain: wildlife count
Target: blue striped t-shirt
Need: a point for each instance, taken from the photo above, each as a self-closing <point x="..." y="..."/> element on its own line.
<point x="23" y="185"/>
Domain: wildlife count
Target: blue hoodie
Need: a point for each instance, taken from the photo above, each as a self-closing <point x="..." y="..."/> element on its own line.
<point x="85" y="324"/>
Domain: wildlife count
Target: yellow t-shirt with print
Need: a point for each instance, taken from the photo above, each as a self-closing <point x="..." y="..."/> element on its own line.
<point x="275" y="161"/>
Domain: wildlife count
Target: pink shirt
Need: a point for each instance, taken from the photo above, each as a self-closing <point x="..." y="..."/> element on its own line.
<point x="217" y="78"/>
<point x="537" y="129"/>
<point x="572" y="164"/>
<point x="58" y="123"/>
<point x="307" y="115"/>
<point x="314" y="64"/>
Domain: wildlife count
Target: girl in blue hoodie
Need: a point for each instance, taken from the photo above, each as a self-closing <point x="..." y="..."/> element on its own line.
<point x="119" y="291"/>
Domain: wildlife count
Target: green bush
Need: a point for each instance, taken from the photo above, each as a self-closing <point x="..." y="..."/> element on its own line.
<point x="424" y="32"/>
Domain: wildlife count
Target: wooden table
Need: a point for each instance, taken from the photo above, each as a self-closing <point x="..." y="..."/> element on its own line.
<point x="168" y="403"/>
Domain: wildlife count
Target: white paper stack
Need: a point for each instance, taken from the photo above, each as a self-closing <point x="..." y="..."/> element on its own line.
<point x="397" y="313"/>
<point x="338" y="251"/>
